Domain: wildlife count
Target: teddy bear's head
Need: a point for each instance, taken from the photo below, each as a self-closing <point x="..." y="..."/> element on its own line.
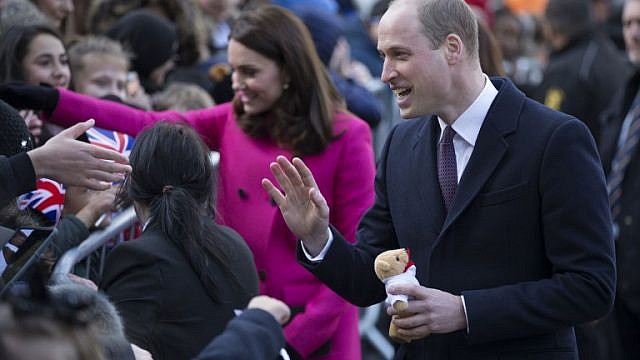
<point x="390" y="263"/>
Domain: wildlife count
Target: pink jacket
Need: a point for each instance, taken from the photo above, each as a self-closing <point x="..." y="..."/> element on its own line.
<point x="344" y="172"/>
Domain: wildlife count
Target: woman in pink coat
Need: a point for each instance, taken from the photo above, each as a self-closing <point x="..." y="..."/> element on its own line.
<point x="284" y="104"/>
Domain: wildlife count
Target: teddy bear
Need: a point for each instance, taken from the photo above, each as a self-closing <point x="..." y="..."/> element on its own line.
<point x="395" y="267"/>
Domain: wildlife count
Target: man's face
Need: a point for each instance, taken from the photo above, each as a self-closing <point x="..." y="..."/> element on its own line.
<point x="417" y="74"/>
<point x="508" y="32"/>
<point x="631" y="30"/>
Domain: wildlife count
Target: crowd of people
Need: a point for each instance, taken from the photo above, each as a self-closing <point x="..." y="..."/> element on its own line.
<point x="511" y="177"/>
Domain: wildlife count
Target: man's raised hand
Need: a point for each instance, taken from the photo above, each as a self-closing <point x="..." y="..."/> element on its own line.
<point x="302" y="205"/>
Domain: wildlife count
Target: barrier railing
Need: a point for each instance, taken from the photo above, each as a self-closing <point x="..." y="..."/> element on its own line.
<point x="369" y="332"/>
<point x="123" y="221"/>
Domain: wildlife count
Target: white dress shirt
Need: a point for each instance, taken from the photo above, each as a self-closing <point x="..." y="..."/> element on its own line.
<point x="467" y="126"/>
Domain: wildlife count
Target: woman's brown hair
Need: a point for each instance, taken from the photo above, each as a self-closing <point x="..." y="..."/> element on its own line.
<point x="302" y="118"/>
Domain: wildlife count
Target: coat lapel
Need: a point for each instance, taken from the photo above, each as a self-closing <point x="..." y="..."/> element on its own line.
<point x="490" y="147"/>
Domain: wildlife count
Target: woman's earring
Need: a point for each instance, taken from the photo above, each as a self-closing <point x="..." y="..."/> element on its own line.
<point x="285" y="86"/>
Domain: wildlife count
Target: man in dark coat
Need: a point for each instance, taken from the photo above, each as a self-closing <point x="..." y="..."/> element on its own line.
<point x="621" y="160"/>
<point x="501" y="200"/>
<point x="584" y="67"/>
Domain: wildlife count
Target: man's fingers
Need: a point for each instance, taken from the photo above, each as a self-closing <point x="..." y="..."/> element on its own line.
<point x="409" y="322"/>
<point x="407" y="289"/>
<point x="304" y="173"/>
<point x="414" y="333"/>
<point x="275" y="194"/>
<point x="281" y="177"/>
<point x="77" y="129"/>
<point x="290" y="171"/>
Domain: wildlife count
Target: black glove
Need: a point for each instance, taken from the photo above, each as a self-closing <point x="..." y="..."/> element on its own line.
<point x="21" y="95"/>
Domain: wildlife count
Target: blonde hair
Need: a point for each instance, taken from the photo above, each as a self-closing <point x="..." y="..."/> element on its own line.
<point x="182" y="97"/>
<point x="99" y="45"/>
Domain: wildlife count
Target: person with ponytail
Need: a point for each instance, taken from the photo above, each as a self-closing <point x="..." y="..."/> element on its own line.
<point x="177" y="286"/>
<point x="284" y="104"/>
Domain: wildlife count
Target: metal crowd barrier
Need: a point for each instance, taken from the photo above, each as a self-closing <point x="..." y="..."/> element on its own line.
<point x="369" y="332"/>
<point x="97" y="240"/>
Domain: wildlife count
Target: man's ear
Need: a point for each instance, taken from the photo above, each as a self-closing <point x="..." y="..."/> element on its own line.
<point x="454" y="49"/>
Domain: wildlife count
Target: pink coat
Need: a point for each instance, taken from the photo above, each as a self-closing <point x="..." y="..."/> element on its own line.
<point x="344" y="172"/>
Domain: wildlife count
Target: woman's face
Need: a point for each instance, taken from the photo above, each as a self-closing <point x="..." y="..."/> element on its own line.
<point x="56" y="10"/>
<point x="46" y="61"/>
<point x="257" y="81"/>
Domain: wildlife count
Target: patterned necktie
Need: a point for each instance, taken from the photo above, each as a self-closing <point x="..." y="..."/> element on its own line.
<point x="447" y="168"/>
<point x="620" y="163"/>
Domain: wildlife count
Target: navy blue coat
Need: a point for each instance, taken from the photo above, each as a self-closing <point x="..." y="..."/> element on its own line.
<point x="527" y="241"/>
<point x="253" y="335"/>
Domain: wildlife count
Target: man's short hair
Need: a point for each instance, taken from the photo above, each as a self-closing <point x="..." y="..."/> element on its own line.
<point x="440" y="18"/>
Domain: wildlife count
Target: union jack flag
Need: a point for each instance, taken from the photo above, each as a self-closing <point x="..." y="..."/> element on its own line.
<point x="111" y="140"/>
<point x="122" y="143"/>
<point x="48" y="198"/>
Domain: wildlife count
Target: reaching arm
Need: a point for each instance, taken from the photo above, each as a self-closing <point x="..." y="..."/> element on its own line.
<point x="17" y="176"/>
<point x="66" y="108"/>
<point x="255" y="334"/>
<point x="77" y="163"/>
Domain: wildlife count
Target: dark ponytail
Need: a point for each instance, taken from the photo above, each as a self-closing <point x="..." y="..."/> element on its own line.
<point x="173" y="176"/>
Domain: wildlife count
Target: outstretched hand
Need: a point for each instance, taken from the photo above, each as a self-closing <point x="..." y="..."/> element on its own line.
<point x="22" y="95"/>
<point x="74" y="162"/>
<point x="302" y="205"/>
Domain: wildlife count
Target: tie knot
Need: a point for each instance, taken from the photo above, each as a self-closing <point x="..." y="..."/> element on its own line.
<point x="447" y="137"/>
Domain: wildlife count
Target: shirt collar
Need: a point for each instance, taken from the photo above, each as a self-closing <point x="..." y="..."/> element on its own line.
<point x="467" y="126"/>
<point x="146" y="223"/>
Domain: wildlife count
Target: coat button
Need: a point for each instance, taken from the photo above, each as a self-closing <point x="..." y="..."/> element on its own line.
<point x="627" y="220"/>
<point x="242" y="193"/>
<point x="273" y="202"/>
<point x="262" y="275"/>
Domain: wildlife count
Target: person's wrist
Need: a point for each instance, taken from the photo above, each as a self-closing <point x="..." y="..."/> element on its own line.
<point x="87" y="216"/>
<point x="38" y="162"/>
<point x="315" y="244"/>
